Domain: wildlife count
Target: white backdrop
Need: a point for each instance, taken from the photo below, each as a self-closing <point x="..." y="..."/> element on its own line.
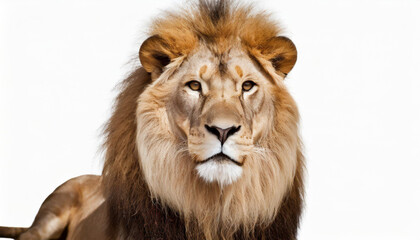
<point x="356" y="82"/>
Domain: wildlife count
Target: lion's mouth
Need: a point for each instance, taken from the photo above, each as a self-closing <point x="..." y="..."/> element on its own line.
<point x="221" y="157"/>
<point x="219" y="168"/>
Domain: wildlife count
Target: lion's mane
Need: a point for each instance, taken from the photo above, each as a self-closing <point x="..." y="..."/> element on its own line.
<point x="136" y="211"/>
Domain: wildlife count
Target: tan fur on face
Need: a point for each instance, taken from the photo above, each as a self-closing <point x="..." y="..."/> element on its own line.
<point x="239" y="71"/>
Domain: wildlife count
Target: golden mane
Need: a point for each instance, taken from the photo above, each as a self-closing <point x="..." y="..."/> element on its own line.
<point x="217" y="24"/>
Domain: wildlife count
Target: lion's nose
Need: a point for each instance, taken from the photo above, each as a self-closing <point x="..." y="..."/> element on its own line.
<point x="222" y="133"/>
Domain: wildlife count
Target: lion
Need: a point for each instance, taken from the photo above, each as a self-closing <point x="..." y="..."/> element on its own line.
<point x="203" y="142"/>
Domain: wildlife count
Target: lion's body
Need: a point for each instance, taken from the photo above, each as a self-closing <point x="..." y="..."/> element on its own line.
<point x="203" y="142"/>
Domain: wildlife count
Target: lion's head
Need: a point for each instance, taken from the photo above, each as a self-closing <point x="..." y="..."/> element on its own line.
<point x="212" y="132"/>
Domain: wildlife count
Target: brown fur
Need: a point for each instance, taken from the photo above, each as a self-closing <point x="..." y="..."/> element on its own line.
<point x="11" y="232"/>
<point x="124" y="205"/>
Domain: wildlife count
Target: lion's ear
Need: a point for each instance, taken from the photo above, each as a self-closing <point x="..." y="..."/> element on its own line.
<point x="155" y="54"/>
<point x="281" y="52"/>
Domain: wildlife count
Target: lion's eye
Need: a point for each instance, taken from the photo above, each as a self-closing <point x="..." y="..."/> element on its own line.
<point x="194" y="85"/>
<point x="248" y="85"/>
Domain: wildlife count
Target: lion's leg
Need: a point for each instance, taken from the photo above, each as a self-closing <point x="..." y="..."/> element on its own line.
<point x="56" y="211"/>
<point x="11" y="232"/>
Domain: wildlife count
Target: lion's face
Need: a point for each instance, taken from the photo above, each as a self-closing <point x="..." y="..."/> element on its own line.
<point x="217" y="132"/>
<point x="220" y="108"/>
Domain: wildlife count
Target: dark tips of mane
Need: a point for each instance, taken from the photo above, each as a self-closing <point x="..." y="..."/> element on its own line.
<point x="217" y="10"/>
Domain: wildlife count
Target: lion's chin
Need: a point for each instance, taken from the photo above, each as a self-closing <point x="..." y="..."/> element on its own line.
<point x="222" y="172"/>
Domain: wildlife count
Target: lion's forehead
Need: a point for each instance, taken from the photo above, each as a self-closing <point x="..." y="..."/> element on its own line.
<point x="221" y="70"/>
